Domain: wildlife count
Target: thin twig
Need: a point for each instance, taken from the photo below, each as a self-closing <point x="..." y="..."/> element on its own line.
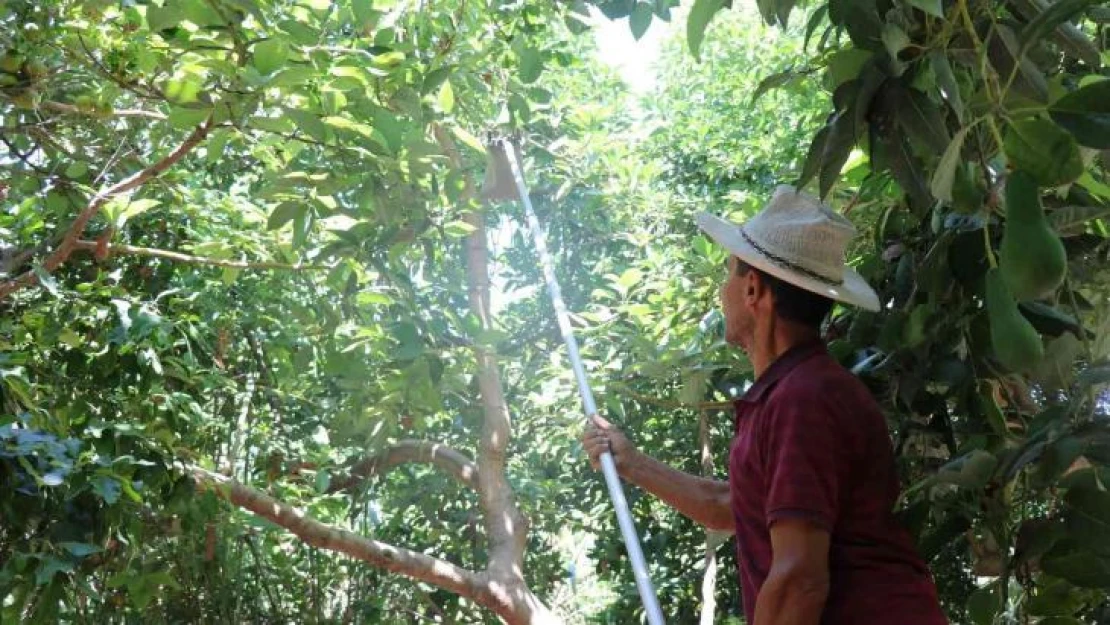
<point x="178" y="257"/>
<point x="73" y="233"/>
<point x="69" y="109"/>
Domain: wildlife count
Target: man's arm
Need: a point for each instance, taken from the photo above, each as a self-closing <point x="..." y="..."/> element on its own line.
<point x="703" y="500"/>
<point x="797" y="585"/>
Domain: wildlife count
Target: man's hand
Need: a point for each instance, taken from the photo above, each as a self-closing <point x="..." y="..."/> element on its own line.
<point x="600" y="437"/>
<point x="704" y="500"/>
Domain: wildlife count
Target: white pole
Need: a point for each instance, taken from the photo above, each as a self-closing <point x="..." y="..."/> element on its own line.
<point x="608" y="468"/>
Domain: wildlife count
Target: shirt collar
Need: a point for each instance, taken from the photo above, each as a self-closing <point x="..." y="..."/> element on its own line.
<point x="782" y="365"/>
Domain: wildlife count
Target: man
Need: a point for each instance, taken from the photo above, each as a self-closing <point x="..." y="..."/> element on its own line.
<point x="812" y="483"/>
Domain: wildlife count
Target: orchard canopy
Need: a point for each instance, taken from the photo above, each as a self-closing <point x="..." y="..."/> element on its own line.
<point x="265" y="356"/>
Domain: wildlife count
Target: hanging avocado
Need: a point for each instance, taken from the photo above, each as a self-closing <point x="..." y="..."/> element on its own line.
<point x="1015" y="342"/>
<point x="1032" y="258"/>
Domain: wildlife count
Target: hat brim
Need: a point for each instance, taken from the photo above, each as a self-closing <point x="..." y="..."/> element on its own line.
<point x="854" y="290"/>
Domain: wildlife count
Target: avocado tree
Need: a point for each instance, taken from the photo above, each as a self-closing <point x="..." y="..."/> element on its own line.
<point x="968" y="142"/>
<point x="245" y="251"/>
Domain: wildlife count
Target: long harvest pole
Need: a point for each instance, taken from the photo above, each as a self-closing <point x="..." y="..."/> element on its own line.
<point x="608" y="467"/>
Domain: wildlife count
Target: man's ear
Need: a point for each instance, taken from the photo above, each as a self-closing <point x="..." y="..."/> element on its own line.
<point x="758" y="287"/>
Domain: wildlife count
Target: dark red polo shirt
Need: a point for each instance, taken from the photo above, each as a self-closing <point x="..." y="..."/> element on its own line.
<point x="811" y="443"/>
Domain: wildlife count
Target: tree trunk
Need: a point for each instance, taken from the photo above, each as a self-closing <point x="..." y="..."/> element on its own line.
<point x="506" y="528"/>
<point x="501" y="587"/>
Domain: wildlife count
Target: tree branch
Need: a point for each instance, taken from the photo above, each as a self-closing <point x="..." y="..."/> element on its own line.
<point x="621" y="388"/>
<point x="69" y="109"/>
<point x="423" y="567"/>
<point x="73" y="233"/>
<point x="453" y="462"/>
<point x="178" y="257"/>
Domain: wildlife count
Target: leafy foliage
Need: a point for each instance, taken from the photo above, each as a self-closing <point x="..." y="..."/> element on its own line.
<point x="285" y="296"/>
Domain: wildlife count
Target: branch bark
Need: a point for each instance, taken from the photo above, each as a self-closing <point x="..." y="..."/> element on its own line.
<point x="73" y="233"/>
<point x="413" y="564"/>
<point x="453" y="462"/>
<point x="506" y="528"/>
<point x="117" y="249"/>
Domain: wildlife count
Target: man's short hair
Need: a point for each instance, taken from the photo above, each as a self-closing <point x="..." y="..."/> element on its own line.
<point x="792" y="303"/>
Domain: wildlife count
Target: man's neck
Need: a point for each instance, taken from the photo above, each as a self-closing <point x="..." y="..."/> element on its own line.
<point x="775" y="340"/>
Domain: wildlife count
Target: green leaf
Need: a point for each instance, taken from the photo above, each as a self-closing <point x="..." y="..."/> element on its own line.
<point x="774" y="81"/>
<point x="971" y="471"/>
<point x="920" y="118"/>
<point x="46" y="280"/>
<point x="783" y="9"/>
<point x="435" y="78"/>
<point x="80" y="550"/>
<point x="183" y="89"/>
<point x="1094" y="375"/>
<point x="700" y="15"/>
<point x="106" y="488"/>
<point x="531" y="65"/>
<point x="845" y="65"/>
<point x="49" y="567"/>
<point x="309" y="123"/>
<point x="945" y="173"/>
<point x="828" y="152"/>
<point x="1044" y="150"/>
<point x="906" y="168"/>
<point x="363" y="11"/>
<point x="895" y="40"/>
<point x="269" y="55"/>
<point x="640" y="19"/>
<point x="1057" y="13"/>
<point x="1072" y="220"/>
<point x="285" y="213"/>
<point x="1048" y="320"/>
<point x="135" y="208"/>
<point x="323" y="480"/>
<point x="77" y="169"/>
<point x="1085" y="113"/>
<point x="946" y="81"/>
<point x="446" y="97"/>
<point x="458" y="229"/>
<point x="388" y="60"/>
<point x="350" y="125"/>
<point x="983" y="604"/>
<point x="842" y="138"/>
<point x="1080" y="567"/>
<point x="159" y="18"/>
<point x="813" y="157"/>
<point x="187" y="118"/>
<point x="931" y="7"/>
<point x="815" y="19"/>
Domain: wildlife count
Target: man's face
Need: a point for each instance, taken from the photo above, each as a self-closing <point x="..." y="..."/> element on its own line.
<point x="737" y="307"/>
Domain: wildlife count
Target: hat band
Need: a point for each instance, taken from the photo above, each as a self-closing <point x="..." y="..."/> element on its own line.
<point x="785" y="264"/>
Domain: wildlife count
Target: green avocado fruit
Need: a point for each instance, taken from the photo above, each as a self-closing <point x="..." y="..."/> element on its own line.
<point x="1015" y="342"/>
<point x="1032" y="258"/>
<point x="10" y="62"/>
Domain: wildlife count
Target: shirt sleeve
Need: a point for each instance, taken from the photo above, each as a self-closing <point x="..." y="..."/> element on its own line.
<point x="804" y="462"/>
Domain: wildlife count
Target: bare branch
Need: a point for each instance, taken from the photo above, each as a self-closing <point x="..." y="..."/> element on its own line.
<point x="423" y="567"/>
<point x="453" y="462"/>
<point x="177" y="257"/>
<point x="69" y="109"/>
<point x="73" y="233"/>
<point x="621" y="388"/>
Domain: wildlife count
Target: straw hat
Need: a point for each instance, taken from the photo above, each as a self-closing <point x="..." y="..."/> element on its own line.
<point x="797" y="239"/>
